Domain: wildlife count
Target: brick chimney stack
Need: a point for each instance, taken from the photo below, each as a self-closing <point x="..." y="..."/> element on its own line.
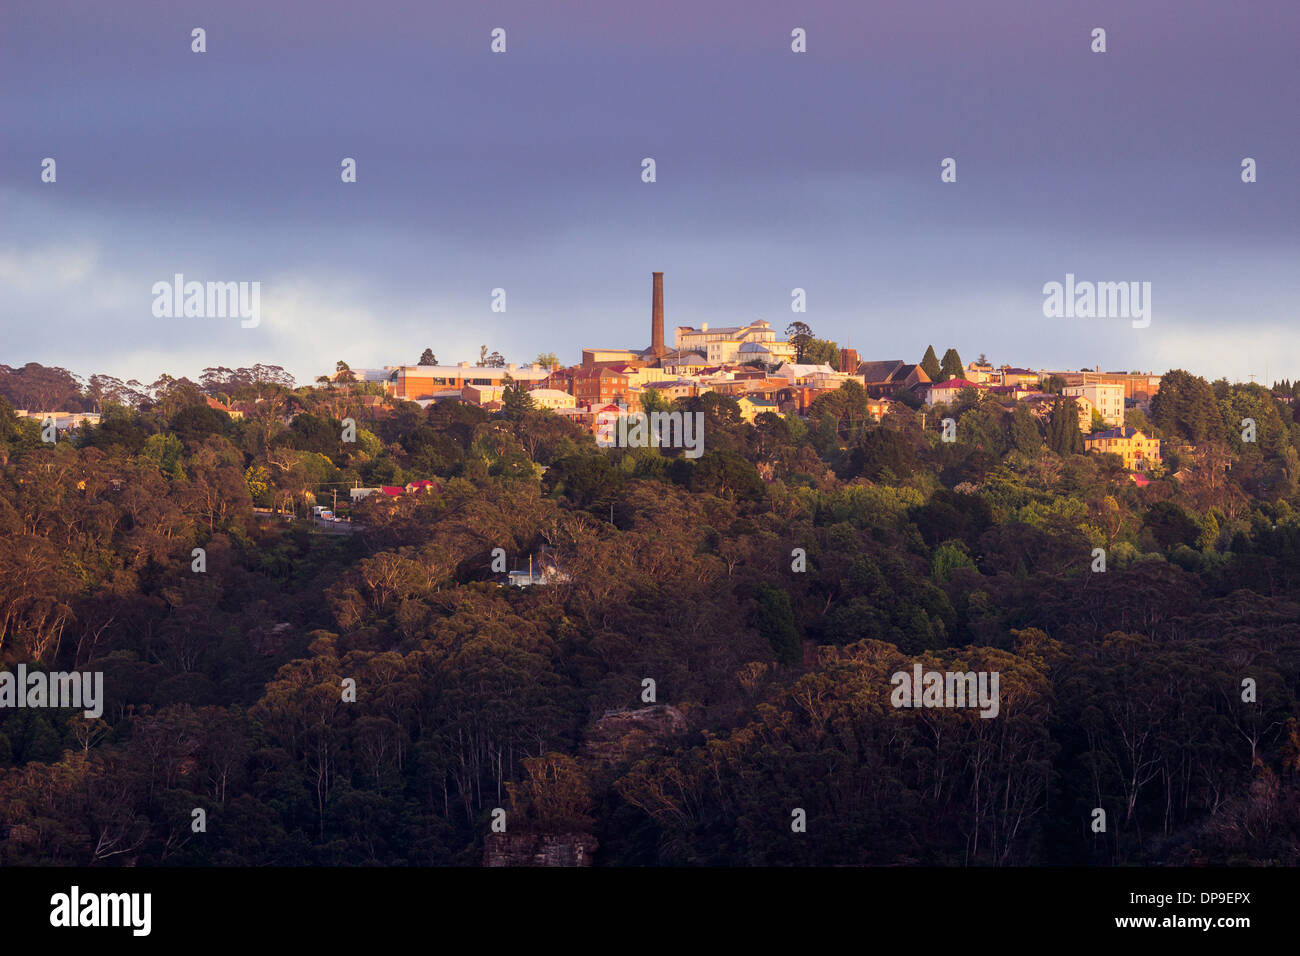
<point x="657" y="349"/>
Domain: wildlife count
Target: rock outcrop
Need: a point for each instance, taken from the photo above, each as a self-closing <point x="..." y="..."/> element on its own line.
<point x="622" y="734"/>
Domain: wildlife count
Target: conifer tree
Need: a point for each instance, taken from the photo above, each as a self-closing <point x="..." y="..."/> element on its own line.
<point x="952" y="366"/>
<point x="930" y="364"/>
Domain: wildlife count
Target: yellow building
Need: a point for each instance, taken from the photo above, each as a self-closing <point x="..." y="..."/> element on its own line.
<point x="751" y="407"/>
<point x="1139" y="452"/>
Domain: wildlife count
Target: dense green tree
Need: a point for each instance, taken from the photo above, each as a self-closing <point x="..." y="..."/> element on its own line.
<point x="1185" y="407"/>
<point x="775" y="622"/>
<point x="822" y="352"/>
<point x="1063" y="435"/>
<point x="1025" y="434"/>
<point x="884" y="452"/>
<point x="515" y="400"/>
<point x="930" y="364"/>
<point x="727" y="474"/>
<point x="951" y="366"/>
<point x="799" y="334"/>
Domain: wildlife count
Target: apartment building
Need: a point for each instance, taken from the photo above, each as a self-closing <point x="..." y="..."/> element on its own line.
<point x="1139" y="387"/>
<point x="604" y="386"/>
<point x="1107" y="398"/>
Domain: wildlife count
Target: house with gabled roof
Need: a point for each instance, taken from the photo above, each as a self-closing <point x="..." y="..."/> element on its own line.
<point x="886" y="378"/>
<point x="1138" y="452"/>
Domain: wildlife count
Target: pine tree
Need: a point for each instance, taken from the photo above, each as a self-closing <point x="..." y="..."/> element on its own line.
<point x="930" y="364"/>
<point x="952" y="366"/>
<point x="1063" y="435"/>
<point x="515" y="401"/>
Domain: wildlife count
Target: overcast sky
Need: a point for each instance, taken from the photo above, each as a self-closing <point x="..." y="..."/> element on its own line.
<point x="522" y="171"/>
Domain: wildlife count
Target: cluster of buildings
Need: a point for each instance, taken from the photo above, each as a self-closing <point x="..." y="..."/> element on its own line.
<point x="1107" y="393"/>
<point x="1096" y="394"/>
<point x="749" y="363"/>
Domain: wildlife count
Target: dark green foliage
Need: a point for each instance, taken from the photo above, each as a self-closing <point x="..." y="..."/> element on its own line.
<point x="930" y="364"/>
<point x="1185" y="407"/>
<point x="1063" y="435"/>
<point x="728" y="475"/>
<point x="822" y="352"/>
<point x="1026" y="437"/>
<point x="775" y="622"/>
<point x="1170" y="525"/>
<point x="881" y="453"/>
<point x="951" y="366"/>
<point x="772" y="588"/>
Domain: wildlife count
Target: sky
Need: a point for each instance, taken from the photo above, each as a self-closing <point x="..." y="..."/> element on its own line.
<point x="522" y="171"/>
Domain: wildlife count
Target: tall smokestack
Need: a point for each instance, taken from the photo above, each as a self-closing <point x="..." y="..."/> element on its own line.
<point x="657" y="349"/>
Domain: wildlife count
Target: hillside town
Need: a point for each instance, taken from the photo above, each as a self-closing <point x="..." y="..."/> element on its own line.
<point x="767" y="374"/>
<point x="751" y="364"/>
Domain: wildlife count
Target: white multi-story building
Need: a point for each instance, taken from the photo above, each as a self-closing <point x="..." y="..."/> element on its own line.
<point x="734" y="343"/>
<point x="1106" y="399"/>
<point x="814" y="376"/>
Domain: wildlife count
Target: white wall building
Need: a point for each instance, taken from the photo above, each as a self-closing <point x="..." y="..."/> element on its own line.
<point x="551" y="398"/>
<point x="722" y="344"/>
<point x="1107" y="399"/>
